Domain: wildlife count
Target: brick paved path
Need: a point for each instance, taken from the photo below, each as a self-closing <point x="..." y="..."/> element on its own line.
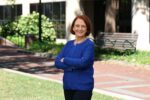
<point x="116" y="79"/>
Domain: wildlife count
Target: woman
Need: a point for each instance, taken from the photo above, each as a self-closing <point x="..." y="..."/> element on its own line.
<point x="76" y="59"/>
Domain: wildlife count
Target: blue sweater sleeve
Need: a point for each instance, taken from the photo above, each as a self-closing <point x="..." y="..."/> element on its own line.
<point x="58" y="63"/>
<point x="84" y="61"/>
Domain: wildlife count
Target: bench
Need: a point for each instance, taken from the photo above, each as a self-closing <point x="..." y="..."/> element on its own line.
<point x="119" y="41"/>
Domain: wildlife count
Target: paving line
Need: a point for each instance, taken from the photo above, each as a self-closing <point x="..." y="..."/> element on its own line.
<point x="113" y="94"/>
<point x="127" y="78"/>
<point x="123" y="89"/>
<point x="135" y="94"/>
<point x="112" y="82"/>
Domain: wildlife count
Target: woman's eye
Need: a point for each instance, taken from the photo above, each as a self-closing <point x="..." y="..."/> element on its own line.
<point x="83" y="26"/>
<point x="77" y="25"/>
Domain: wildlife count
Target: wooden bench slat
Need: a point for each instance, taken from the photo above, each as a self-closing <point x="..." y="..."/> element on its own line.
<point x="117" y="41"/>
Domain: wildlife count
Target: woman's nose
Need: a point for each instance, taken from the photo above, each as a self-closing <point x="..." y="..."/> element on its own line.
<point x="80" y="27"/>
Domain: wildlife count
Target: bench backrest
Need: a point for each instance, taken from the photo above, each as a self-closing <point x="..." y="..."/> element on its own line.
<point x="121" y="41"/>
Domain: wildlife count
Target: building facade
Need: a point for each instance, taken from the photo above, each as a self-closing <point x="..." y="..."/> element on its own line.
<point x="123" y="16"/>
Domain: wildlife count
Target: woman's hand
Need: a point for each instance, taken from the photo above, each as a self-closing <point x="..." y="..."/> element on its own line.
<point x="62" y="60"/>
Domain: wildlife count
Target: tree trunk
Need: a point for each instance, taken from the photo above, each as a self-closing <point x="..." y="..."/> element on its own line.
<point x="112" y="7"/>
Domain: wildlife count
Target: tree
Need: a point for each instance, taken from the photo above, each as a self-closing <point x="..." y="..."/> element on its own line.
<point x="112" y="7"/>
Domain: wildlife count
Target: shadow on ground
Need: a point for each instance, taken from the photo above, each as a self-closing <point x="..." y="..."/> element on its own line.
<point x="25" y="62"/>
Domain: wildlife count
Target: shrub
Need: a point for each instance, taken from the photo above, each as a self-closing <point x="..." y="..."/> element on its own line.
<point x="29" y="25"/>
<point x="7" y="29"/>
<point x="45" y="46"/>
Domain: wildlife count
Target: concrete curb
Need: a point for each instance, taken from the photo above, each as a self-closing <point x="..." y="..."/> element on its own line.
<point x="31" y="75"/>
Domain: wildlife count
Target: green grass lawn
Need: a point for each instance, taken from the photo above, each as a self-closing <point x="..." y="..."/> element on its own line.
<point x="19" y="87"/>
<point x="137" y="57"/>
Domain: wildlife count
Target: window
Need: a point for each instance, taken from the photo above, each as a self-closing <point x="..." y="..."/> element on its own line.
<point x="9" y="12"/>
<point x="48" y="10"/>
<point x="55" y="11"/>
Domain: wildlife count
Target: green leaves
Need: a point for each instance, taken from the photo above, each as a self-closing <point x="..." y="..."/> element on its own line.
<point x="29" y="25"/>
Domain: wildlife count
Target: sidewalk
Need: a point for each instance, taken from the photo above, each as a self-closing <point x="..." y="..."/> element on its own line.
<point x="115" y="79"/>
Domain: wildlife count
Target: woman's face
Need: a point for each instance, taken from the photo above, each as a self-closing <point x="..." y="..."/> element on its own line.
<point x="80" y="28"/>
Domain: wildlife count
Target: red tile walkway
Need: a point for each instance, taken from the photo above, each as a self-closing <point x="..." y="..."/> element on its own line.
<point x="130" y="82"/>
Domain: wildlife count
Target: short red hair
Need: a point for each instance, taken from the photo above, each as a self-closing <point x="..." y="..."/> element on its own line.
<point x="87" y="22"/>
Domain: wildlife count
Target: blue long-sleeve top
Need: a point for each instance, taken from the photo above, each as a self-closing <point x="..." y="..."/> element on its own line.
<point x="77" y="65"/>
